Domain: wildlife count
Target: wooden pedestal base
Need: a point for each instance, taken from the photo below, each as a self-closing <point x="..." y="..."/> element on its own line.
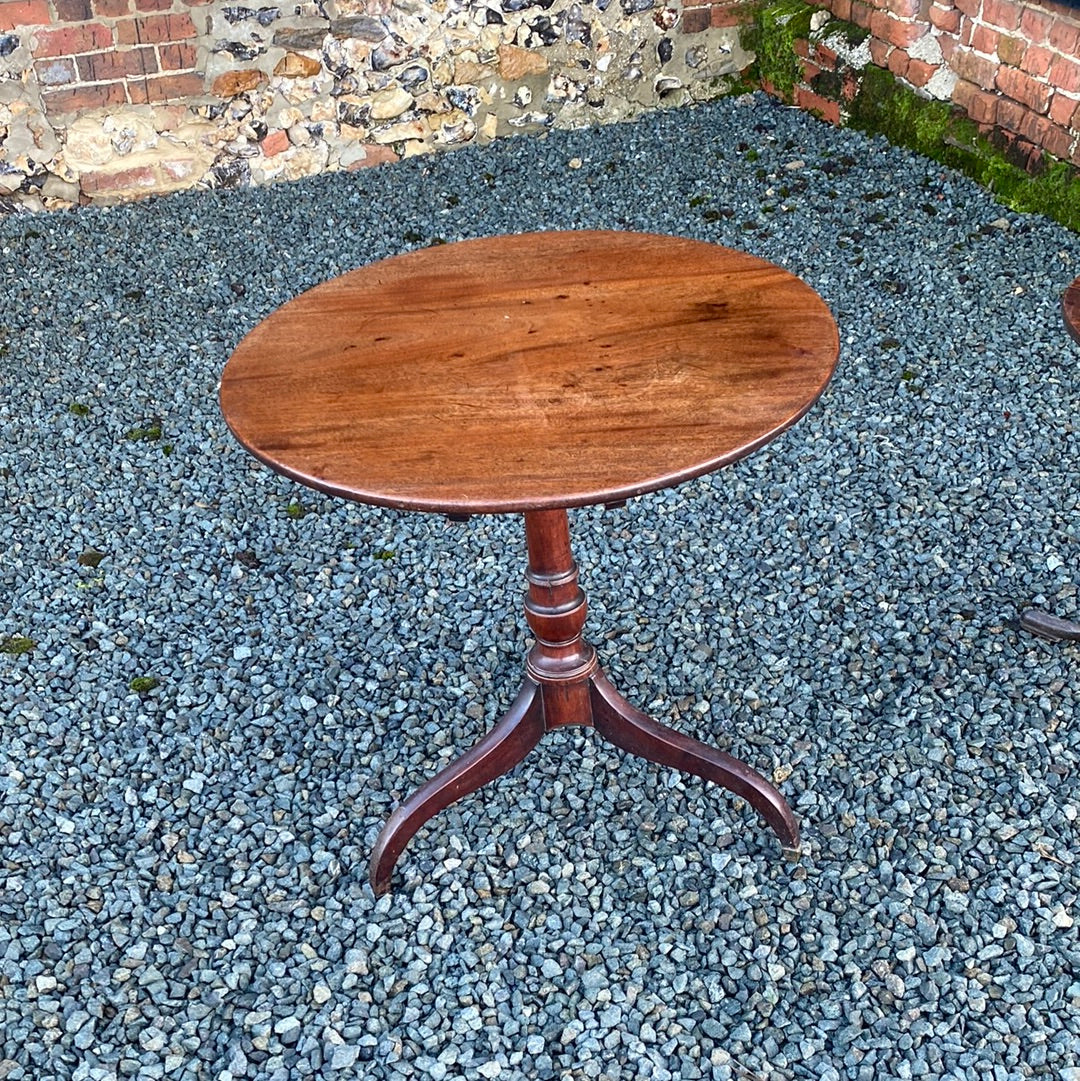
<point x="564" y="685"/>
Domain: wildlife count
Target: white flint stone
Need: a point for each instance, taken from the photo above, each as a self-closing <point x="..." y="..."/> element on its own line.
<point x="388" y="104"/>
<point x="403" y="132"/>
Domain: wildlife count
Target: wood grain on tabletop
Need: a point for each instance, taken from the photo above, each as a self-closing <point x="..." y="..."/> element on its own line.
<point x="530" y="371"/>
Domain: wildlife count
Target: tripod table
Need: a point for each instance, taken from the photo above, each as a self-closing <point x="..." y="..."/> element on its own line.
<point x="529" y="374"/>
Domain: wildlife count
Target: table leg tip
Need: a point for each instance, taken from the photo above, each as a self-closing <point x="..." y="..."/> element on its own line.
<point x="792" y="855"/>
<point x="379" y="877"/>
<point x="1052" y="628"/>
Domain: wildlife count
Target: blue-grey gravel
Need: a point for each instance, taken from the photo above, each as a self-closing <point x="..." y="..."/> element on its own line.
<point x="203" y="731"/>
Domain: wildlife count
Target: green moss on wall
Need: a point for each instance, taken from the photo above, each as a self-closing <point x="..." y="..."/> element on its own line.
<point x="935" y="129"/>
<point x="772" y="36"/>
<point x="882" y="107"/>
<point x="944" y="133"/>
<point x="828" y="84"/>
<point x="853" y="35"/>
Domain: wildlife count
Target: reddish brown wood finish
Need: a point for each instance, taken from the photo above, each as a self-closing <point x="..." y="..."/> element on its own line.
<point x="1070" y="307"/>
<point x="564" y="685"/>
<point x="548" y="370"/>
<point x="620" y="723"/>
<point x="510" y="739"/>
<point x="560" y="661"/>
<point x="535" y="373"/>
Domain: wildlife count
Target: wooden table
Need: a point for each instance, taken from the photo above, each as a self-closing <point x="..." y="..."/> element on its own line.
<point x="532" y="374"/>
<point x="1035" y="620"/>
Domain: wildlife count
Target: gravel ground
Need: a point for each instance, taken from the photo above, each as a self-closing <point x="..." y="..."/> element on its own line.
<point x="183" y="871"/>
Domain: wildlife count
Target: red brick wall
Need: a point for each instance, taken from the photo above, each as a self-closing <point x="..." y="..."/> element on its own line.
<point x="90" y="54"/>
<point x="701" y="15"/>
<point x="1014" y="66"/>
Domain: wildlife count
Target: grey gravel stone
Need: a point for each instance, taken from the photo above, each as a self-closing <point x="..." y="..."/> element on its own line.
<point x="344" y="1057"/>
<point x="288" y="1030"/>
<point x="183" y="888"/>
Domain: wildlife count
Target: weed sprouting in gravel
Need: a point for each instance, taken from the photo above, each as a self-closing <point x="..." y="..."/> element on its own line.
<point x="15" y="645"/>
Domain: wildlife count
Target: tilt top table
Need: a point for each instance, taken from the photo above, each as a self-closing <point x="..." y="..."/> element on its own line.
<point x="532" y="374"/>
<point x="1035" y="620"/>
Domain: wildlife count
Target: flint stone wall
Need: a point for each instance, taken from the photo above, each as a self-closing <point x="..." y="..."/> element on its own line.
<point x="107" y="100"/>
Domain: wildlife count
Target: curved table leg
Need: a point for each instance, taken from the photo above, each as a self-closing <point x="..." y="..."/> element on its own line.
<point x="627" y="727"/>
<point x="512" y="737"/>
<point x="1049" y="626"/>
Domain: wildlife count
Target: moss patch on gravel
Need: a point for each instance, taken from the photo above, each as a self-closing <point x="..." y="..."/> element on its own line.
<point x="15" y="645"/>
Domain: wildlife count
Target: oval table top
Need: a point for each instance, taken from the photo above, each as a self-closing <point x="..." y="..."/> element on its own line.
<point x="529" y="372"/>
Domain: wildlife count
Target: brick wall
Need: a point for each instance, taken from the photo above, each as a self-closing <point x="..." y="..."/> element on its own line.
<point x="103" y="100"/>
<point x="90" y="54"/>
<point x="700" y="15"/>
<point x="1013" y="66"/>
